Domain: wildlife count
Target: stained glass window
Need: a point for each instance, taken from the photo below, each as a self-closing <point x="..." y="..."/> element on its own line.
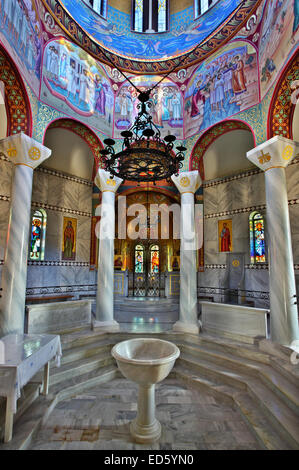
<point x="139" y="259"/>
<point x="138" y="16"/>
<point x="38" y="235"/>
<point x="257" y="238"/>
<point x="150" y="16"/>
<point x="99" y="6"/>
<point x="162" y="15"/>
<point x="155" y="259"/>
<point x="201" y="6"/>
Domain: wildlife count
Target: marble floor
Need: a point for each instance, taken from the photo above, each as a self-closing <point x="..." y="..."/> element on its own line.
<point x="99" y="418"/>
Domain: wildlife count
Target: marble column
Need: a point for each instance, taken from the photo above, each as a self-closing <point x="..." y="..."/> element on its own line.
<point x="26" y="154"/>
<point x="105" y="296"/>
<point x="273" y="157"/>
<point x="187" y="183"/>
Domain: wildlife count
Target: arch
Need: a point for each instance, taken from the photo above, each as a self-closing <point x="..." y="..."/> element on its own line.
<point x="208" y="137"/>
<point x="282" y="106"/>
<point x="83" y="131"/>
<point x="19" y="118"/>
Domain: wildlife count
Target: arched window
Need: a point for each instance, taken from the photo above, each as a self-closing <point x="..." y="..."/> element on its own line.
<point x="155" y="259"/>
<point x="139" y="259"/>
<point x="38" y="235"/>
<point x="150" y="16"/>
<point x="201" y="6"/>
<point x="257" y="238"/>
<point x="99" y="6"/>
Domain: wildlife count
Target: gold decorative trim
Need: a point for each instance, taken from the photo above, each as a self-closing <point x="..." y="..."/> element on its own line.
<point x="275" y="166"/>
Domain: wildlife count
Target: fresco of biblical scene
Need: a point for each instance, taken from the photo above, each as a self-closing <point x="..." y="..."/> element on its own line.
<point x="279" y="36"/>
<point x="225" y="235"/>
<point x="75" y="83"/>
<point x="221" y="87"/>
<point x="21" y="34"/>
<point x="69" y="235"/>
<point x="166" y="106"/>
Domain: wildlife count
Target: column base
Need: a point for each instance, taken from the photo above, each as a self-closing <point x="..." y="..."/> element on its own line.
<point x="145" y="434"/>
<point x="182" y="327"/>
<point x="108" y="326"/>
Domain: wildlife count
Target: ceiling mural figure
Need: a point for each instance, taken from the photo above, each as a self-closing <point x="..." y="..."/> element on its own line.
<point x="73" y="82"/>
<point x="21" y="34"/>
<point x="222" y="86"/>
<point x="279" y="35"/>
<point x="166" y="105"/>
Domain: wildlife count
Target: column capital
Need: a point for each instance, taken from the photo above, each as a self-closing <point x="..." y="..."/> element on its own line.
<point x="104" y="181"/>
<point x="23" y="150"/>
<point x="187" y="181"/>
<point x="277" y="152"/>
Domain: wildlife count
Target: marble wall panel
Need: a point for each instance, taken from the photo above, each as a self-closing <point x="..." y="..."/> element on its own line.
<point x="83" y="250"/>
<point x="210" y="230"/>
<point x="84" y="227"/>
<point x="295" y="245"/>
<point x="56" y="191"/>
<point x="53" y="248"/>
<point x="40" y="187"/>
<point x="211" y="199"/>
<point x="257" y="280"/>
<point x="256" y="189"/>
<point x="225" y="196"/>
<point x="6" y="174"/>
<point x="37" y="276"/>
<point x="4" y="216"/>
<point x="85" y="198"/>
<point x="240" y="193"/>
<point x="294" y="218"/>
<point x="292" y="177"/>
<point x="54" y="224"/>
<point x="71" y="194"/>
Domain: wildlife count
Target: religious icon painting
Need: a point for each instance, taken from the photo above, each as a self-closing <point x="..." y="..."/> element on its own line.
<point x="69" y="235"/>
<point x="118" y="262"/>
<point x="175" y="263"/>
<point x="225" y="235"/>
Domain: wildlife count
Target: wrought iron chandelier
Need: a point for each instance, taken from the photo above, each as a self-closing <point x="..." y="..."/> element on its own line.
<point x="145" y="156"/>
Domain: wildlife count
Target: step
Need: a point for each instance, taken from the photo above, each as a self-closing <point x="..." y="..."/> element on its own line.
<point x="83" y="337"/>
<point x="256" y="421"/>
<point x="276" y="409"/>
<point x="26" y="427"/>
<point x="280" y="415"/>
<point x="29" y="394"/>
<point x="211" y="371"/>
<point x="80" y="367"/>
<point x="75" y="385"/>
<point x="85" y="351"/>
<point x="283" y="388"/>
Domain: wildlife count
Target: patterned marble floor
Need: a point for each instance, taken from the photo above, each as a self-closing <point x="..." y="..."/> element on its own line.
<point x="99" y="418"/>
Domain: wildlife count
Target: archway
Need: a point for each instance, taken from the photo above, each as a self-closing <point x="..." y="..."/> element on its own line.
<point x="283" y="103"/>
<point x="17" y="103"/>
<point x="85" y="133"/>
<point x="205" y="142"/>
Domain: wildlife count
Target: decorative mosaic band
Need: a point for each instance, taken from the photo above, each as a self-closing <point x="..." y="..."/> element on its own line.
<point x="60" y="289"/>
<point x="244" y="174"/>
<point x="60" y="209"/>
<point x="66" y="177"/>
<point x="223" y="290"/>
<point x="261" y="207"/>
<point x="58" y="263"/>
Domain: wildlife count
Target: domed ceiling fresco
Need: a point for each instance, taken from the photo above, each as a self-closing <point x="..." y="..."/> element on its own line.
<point x="62" y="49"/>
<point x="113" y="42"/>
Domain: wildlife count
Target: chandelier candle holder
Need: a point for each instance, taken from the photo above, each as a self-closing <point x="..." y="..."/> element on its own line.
<point x="145" y="155"/>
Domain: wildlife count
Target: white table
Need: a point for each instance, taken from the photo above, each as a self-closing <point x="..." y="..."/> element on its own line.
<point x="21" y="357"/>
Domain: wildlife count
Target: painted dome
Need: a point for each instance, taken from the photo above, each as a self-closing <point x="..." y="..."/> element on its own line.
<point x="113" y="42"/>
